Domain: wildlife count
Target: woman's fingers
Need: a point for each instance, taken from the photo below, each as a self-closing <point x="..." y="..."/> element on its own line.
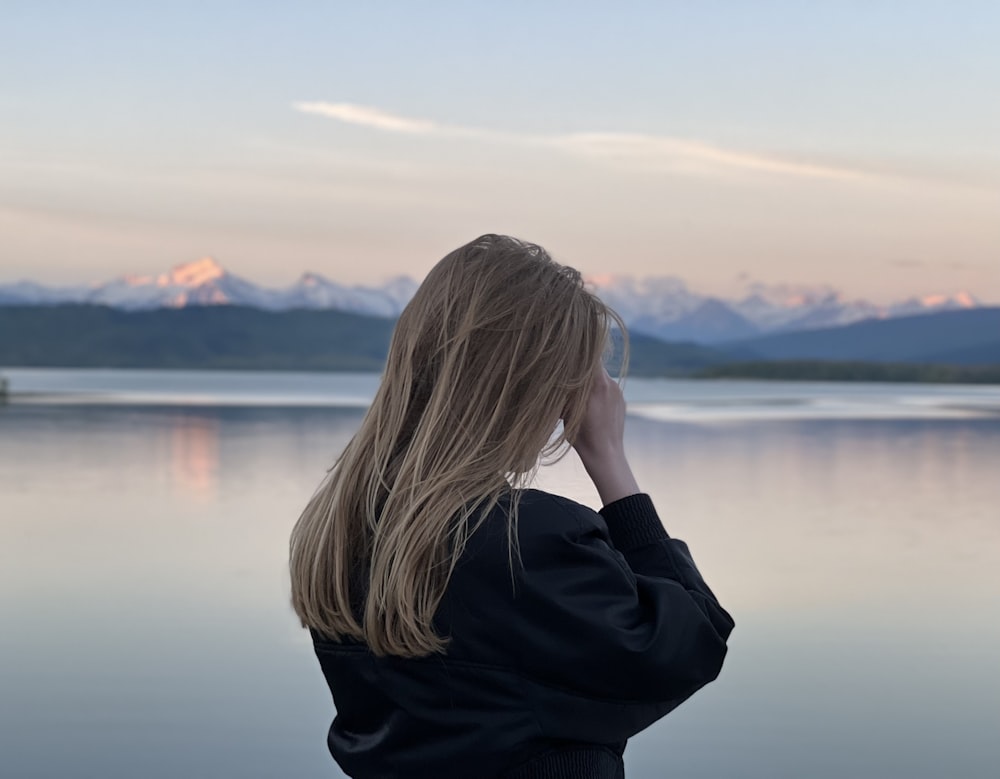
<point x="600" y="443"/>
<point x="603" y="424"/>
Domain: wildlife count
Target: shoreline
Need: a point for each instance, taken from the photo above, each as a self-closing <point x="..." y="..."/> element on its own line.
<point x="678" y="399"/>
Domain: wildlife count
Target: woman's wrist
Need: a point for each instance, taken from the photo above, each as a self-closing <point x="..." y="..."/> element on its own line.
<point x="611" y="474"/>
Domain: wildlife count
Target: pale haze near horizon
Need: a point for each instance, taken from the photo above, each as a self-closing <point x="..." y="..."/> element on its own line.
<point x="852" y="144"/>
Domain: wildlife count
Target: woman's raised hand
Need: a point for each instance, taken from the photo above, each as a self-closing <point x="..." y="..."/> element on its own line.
<point x="602" y="431"/>
<point x="600" y="441"/>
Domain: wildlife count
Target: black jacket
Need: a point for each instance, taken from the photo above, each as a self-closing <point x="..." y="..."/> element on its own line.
<point x="607" y="627"/>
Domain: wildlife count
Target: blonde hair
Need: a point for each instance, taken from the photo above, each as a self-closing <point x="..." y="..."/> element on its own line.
<point x="498" y="344"/>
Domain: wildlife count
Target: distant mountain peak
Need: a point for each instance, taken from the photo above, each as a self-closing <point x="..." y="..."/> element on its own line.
<point x="606" y="279"/>
<point x="310" y="279"/>
<point x="792" y="295"/>
<point x="957" y="300"/>
<point x="193" y="274"/>
<point x="661" y="284"/>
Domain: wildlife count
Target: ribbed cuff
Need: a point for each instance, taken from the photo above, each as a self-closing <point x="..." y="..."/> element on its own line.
<point x="585" y="762"/>
<point x="633" y="522"/>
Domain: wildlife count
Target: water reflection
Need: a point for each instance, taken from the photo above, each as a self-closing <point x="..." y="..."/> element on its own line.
<point x="195" y="454"/>
<point x="146" y="629"/>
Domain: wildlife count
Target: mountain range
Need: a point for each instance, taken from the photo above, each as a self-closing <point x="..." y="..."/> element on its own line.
<point x="969" y="337"/>
<point x="663" y="307"/>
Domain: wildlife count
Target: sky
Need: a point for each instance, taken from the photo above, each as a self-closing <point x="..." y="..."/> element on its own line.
<point x="855" y="144"/>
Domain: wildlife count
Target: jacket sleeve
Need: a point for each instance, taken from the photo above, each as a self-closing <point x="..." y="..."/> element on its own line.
<point x="609" y="607"/>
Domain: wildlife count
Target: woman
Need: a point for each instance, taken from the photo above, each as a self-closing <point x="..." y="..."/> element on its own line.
<point x="468" y="626"/>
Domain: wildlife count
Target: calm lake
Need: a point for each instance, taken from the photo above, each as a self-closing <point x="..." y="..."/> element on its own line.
<point x="852" y="530"/>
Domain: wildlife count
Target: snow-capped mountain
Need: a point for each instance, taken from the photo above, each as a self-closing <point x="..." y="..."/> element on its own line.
<point x="315" y="291"/>
<point x="205" y="282"/>
<point x="668" y="309"/>
<point x="31" y="293"/>
<point x="933" y="303"/>
<point x="200" y="283"/>
<point x="664" y="307"/>
<point x="794" y="306"/>
<point x="656" y="298"/>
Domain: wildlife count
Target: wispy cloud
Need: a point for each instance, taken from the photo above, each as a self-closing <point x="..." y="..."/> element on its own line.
<point x="367" y="116"/>
<point x="652" y="151"/>
<point x="680" y="153"/>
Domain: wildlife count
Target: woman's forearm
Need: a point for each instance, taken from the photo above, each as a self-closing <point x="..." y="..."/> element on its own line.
<point x="611" y="474"/>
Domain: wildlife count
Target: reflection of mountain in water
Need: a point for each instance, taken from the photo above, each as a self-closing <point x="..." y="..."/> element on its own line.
<point x="194" y="455"/>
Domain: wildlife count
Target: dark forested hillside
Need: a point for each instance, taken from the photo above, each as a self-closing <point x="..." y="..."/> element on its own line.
<point x="195" y="337"/>
<point x="238" y="337"/>
<point x="950" y="337"/>
<point x="242" y="337"/>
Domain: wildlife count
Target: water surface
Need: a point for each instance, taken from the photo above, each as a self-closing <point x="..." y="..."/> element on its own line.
<point x="854" y="534"/>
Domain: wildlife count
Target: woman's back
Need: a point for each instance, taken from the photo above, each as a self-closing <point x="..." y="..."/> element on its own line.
<point x="468" y="626"/>
<point x="606" y="628"/>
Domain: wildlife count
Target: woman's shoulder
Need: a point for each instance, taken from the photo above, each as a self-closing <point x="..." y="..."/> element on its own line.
<point x="544" y="514"/>
<point x="554" y="504"/>
<point x="548" y="528"/>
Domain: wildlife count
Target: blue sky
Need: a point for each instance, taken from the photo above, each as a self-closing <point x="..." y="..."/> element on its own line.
<point x="851" y="143"/>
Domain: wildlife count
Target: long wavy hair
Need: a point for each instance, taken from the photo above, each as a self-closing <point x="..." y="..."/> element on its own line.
<point x="497" y="346"/>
